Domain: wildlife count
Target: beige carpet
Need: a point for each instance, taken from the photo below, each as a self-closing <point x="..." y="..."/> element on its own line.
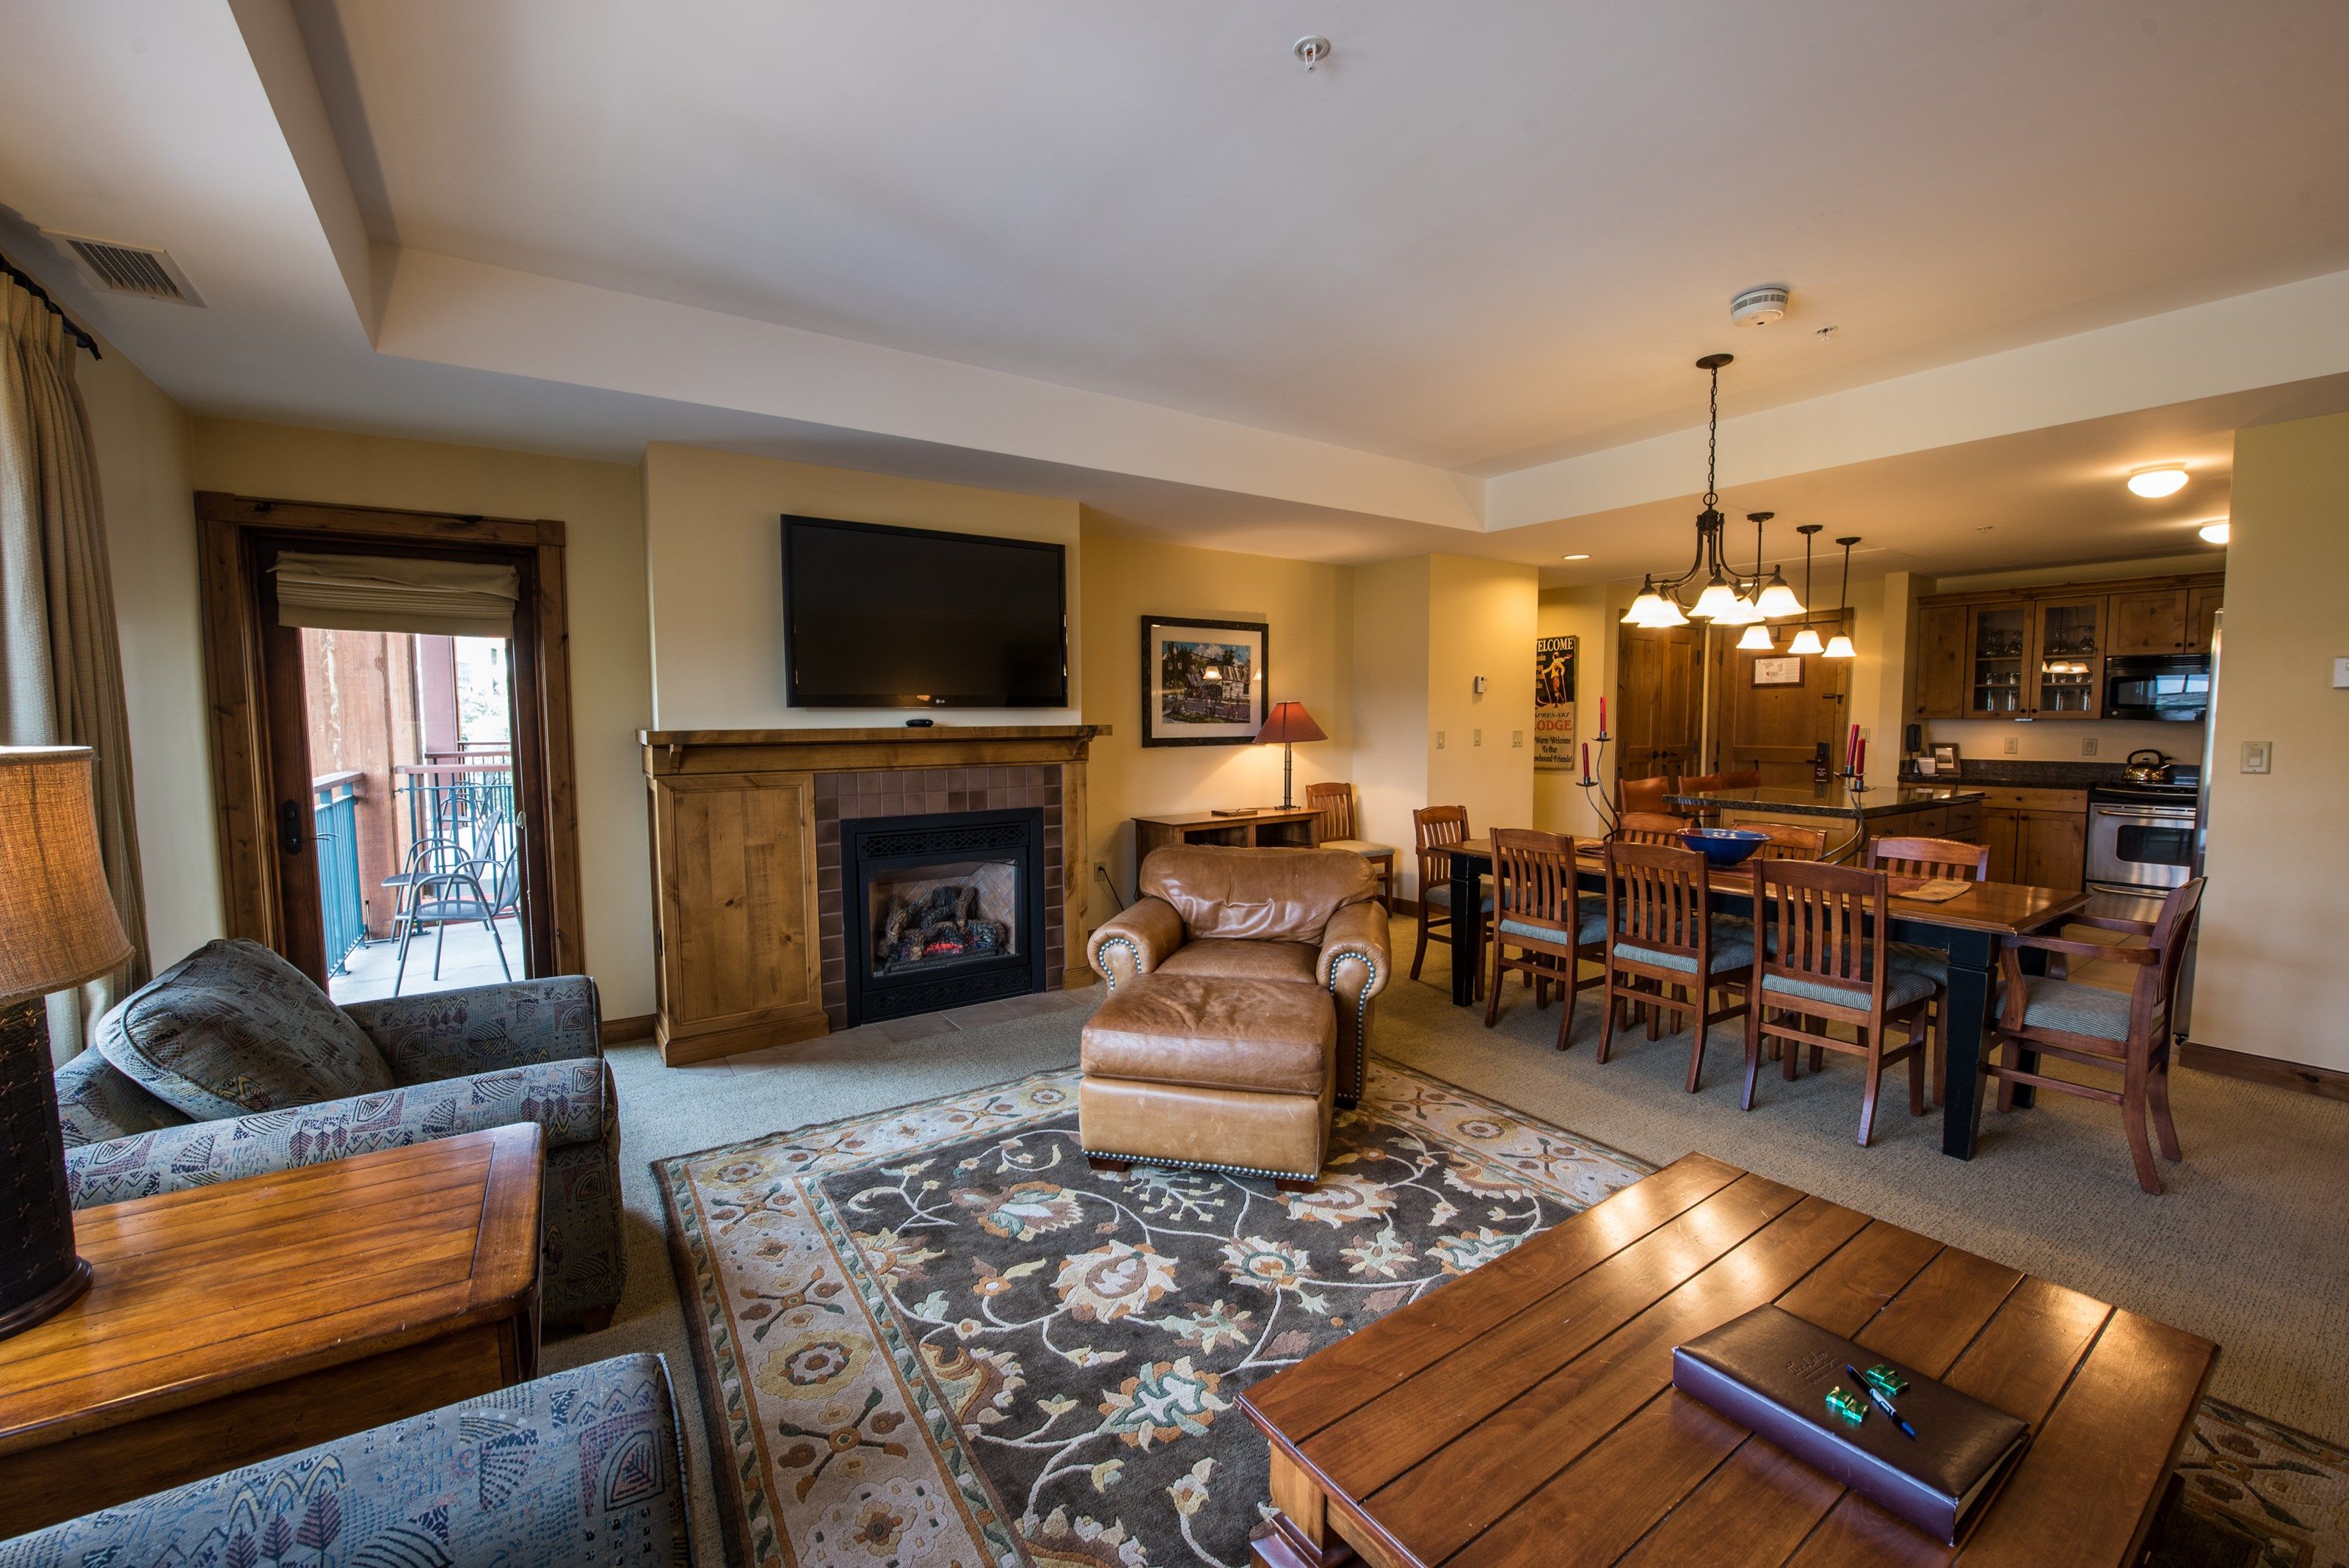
<point x="2248" y="1247"/>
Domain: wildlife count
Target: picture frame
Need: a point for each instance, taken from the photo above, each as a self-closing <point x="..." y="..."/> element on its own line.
<point x="1781" y="670"/>
<point x="1191" y="669"/>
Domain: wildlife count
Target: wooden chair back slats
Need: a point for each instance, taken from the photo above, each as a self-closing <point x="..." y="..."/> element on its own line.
<point x="1787" y="842"/>
<point x="1930" y="857"/>
<point x="1335" y="802"/>
<point x="1433" y="827"/>
<point x="1649" y="795"/>
<point x="1830" y="921"/>
<point x="1650" y="828"/>
<point x="1702" y="783"/>
<point x="1658" y="897"/>
<point x="1741" y="778"/>
<point x="1534" y="880"/>
<point x="2156" y="988"/>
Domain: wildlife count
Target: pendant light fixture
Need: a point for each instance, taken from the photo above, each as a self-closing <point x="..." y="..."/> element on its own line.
<point x="1839" y="645"/>
<point x="1806" y="638"/>
<point x="1728" y="597"/>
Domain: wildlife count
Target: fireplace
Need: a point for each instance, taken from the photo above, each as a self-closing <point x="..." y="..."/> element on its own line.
<point x="942" y="909"/>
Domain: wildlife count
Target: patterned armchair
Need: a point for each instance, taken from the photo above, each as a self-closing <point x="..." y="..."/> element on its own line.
<point x="581" y="1470"/>
<point x="439" y="1065"/>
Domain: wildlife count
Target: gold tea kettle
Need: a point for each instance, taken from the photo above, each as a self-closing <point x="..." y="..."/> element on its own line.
<point x="2150" y="766"/>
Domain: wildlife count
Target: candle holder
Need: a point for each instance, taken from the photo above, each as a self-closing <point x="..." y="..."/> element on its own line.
<point x="1608" y="812"/>
<point x="1855" y="784"/>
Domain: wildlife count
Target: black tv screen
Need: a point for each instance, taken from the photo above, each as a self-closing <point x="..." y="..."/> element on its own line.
<point x="909" y="617"/>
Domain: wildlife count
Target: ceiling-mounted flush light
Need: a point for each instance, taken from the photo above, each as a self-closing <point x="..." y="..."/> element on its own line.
<point x="1310" y="50"/>
<point x="2153" y="484"/>
<point x="1578" y="556"/>
<point x="2217" y="533"/>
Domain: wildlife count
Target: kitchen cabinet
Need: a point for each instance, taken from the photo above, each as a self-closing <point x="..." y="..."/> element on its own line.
<point x="1998" y="650"/>
<point x="2067" y="659"/>
<point x="2203" y="606"/>
<point x="2153" y="621"/>
<point x="2038" y="837"/>
<point x="1940" y="668"/>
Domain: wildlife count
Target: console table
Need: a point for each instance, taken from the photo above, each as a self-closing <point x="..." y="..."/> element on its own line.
<point x="226" y="1325"/>
<point x="1273" y="828"/>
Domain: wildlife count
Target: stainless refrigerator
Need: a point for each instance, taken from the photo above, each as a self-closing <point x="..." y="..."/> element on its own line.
<point x="2181" y="1012"/>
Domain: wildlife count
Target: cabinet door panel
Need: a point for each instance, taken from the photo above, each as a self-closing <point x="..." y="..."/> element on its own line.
<point x="2052" y="851"/>
<point x="2067" y="650"/>
<point x="1941" y="692"/>
<point x="1997" y="828"/>
<point x="2153" y="621"/>
<point x="737" y="869"/>
<point x="2202" y="618"/>
<point x="1998" y="643"/>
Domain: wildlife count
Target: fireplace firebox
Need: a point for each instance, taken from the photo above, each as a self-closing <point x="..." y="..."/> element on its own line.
<point x="942" y="911"/>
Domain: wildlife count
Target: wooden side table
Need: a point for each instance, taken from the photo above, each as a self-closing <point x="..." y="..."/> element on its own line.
<point x="1293" y="829"/>
<point x="233" y="1322"/>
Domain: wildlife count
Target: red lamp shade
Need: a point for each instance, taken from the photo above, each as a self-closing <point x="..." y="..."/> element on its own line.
<point x="1288" y="722"/>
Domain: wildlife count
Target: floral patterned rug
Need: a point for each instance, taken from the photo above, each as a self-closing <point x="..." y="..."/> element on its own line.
<point x="935" y="1336"/>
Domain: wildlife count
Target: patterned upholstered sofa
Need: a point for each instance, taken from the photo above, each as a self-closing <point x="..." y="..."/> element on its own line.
<point x="231" y="1063"/>
<point x="580" y="1469"/>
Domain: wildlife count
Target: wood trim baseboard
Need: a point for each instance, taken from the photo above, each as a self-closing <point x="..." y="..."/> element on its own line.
<point x="2324" y="1082"/>
<point x="620" y="1031"/>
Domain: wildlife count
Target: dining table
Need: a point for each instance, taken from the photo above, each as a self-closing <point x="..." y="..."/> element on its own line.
<point x="1972" y="928"/>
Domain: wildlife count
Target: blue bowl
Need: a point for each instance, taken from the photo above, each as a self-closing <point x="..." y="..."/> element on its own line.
<point x="1725" y="846"/>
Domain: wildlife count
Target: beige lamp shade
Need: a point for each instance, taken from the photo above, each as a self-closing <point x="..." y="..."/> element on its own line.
<point x="58" y="924"/>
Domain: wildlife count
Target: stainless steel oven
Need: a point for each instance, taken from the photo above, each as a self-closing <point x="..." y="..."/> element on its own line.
<point x="2160" y="686"/>
<point x="2140" y="845"/>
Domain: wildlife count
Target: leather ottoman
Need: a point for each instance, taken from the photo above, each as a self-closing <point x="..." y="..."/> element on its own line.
<point x="1220" y="1074"/>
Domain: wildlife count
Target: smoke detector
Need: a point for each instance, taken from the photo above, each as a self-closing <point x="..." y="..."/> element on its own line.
<point x="1759" y="306"/>
<point x="142" y="270"/>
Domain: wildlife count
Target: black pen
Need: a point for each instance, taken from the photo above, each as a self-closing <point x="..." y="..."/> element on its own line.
<point x="1883" y="1401"/>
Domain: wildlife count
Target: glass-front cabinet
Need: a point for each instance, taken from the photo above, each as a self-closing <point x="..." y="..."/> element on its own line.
<point x="1997" y="638"/>
<point x="2067" y="659"/>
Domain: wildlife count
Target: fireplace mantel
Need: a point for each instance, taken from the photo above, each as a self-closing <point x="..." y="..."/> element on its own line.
<point x="746" y="858"/>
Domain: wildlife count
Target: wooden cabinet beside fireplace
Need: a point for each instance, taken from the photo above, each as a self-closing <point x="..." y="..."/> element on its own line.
<point x="739" y="847"/>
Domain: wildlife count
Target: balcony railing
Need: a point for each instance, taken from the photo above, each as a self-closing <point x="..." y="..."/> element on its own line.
<point x="333" y="809"/>
<point x="468" y="802"/>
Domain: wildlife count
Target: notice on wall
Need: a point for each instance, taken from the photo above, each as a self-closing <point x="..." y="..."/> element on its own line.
<point x="1554" y="705"/>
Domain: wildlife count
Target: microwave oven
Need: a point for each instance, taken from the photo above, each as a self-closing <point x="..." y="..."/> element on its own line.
<point x="2172" y="686"/>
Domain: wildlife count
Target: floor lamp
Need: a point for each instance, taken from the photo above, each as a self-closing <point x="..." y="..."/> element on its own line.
<point x="57" y="929"/>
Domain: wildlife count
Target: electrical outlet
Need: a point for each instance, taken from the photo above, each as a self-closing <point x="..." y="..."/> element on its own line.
<point x="1516" y="737"/>
<point x="2013" y="745"/>
<point x="1475" y="737"/>
<point x="2257" y="755"/>
<point x="1439" y="740"/>
<point x="2088" y="747"/>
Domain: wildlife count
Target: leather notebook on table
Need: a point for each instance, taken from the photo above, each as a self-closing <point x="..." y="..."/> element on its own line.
<point x="1773" y="1371"/>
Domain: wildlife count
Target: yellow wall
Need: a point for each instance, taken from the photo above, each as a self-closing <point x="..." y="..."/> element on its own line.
<point x="2269" y="978"/>
<point x="142" y="438"/>
<point x="601" y="506"/>
<point x="715" y="530"/>
<point x="1308" y="608"/>
<point x="1482" y="618"/>
<point x="1561" y="805"/>
<point x="1389" y="679"/>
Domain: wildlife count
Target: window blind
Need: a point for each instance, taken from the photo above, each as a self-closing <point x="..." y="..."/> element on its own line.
<point x="395" y="593"/>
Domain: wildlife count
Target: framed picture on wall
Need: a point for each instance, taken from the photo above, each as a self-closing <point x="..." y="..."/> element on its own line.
<point x="1203" y="681"/>
<point x="1786" y="670"/>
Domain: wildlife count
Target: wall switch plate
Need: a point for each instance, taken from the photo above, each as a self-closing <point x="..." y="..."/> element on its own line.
<point x="1476" y="738"/>
<point x="1479" y="684"/>
<point x="2088" y="747"/>
<point x="2013" y="745"/>
<point x="2340" y="673"/>
<point x="2257" y="755"/>
<point x="1516" y="737"/>
<point x="1439" y="740"/>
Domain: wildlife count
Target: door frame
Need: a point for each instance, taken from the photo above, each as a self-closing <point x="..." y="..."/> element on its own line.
<point x="233" y="533"/>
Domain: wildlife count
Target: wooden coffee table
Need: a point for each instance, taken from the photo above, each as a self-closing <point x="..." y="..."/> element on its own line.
<point x="1524" y="1414"/>
<point x="229" y="1323"/>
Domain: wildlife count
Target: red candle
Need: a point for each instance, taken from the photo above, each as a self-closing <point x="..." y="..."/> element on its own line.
<point x="1851" y="751"/>
<point x="1859" y="761"/>
<point x="1586" y="750"/>
<point x="1602" y="722"/>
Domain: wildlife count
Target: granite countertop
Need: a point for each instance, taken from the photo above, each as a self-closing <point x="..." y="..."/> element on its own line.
<point x="2016" y="774"/>
<point x="1819" y="800"/>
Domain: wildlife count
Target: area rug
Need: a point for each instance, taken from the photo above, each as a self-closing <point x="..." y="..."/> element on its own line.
<point x="935" y="1336"/>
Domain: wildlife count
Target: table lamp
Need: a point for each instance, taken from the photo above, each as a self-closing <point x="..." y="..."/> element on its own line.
<point x="1286" y="725"/>
<point x="58" y="929"/>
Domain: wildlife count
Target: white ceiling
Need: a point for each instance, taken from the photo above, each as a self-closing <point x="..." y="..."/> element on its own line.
<point x="1481" y="235"/>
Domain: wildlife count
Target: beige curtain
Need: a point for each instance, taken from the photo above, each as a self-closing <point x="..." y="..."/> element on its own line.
<point x="60" y="660"/>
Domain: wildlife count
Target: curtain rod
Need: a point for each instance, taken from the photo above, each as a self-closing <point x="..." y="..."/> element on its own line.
<point x="31" y="286"/>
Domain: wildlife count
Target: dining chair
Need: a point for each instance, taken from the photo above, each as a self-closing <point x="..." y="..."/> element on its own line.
<point x="1787" y="841"/>
<point x="1335" y="830"/>
<point x="1931" y="858"/>
<point x="1539" y="910"/>
<point x="1828" y="964"/>
<point x="1741" y="778"/>
<point x="1432" y="828"/>
<point x="2125" y="1031"/>
<point x="1666" y="950"/>
<point x="1650" y="827"/>
<point x="453" y="888"/>
<point x="1699" y="784"/>
<point x="1652" y="795"/>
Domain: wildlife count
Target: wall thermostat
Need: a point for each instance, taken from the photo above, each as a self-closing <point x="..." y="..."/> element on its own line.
<point x="1480" y="686"/>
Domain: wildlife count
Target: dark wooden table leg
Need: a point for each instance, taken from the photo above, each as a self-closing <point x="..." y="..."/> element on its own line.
<point x="1301" y="1536"/>
<point x="1467" y="928"/>
<point x="1971" y="954"/>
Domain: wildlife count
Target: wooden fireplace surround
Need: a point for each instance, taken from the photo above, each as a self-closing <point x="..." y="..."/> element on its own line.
<point x="737" y="861"/>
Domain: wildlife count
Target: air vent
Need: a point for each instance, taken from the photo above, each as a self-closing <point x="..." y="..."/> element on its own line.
<point x="130" y="269"/>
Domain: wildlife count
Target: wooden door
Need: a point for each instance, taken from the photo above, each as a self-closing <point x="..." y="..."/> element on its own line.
<point x="1776" y="729"/>
<point x="2068" y="658"/>
<point x="1998" y="832"/>
<point x="2051" y="849"/>
<point x="2203" y="606"/>
<point x="1656" y="701"/>
<point x="734" y="862"/>
<point x="2153" y="621"/>
<point x="1940" y="675"/>
<point x="1998" y="643"/>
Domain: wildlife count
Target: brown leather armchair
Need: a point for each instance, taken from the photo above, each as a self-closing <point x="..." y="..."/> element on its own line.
<point x="1305" y="915"/>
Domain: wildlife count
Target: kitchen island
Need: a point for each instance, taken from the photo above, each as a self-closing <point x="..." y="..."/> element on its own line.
<point x="1910" y="811"/>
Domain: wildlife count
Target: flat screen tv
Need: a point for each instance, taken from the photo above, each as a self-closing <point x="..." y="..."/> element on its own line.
<point x="910" y="617"/>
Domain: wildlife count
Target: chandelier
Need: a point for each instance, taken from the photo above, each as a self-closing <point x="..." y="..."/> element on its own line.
<point x="1728" y="597"/>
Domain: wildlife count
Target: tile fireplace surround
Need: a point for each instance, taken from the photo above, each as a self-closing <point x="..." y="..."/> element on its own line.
<point x="747" y="925"/>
